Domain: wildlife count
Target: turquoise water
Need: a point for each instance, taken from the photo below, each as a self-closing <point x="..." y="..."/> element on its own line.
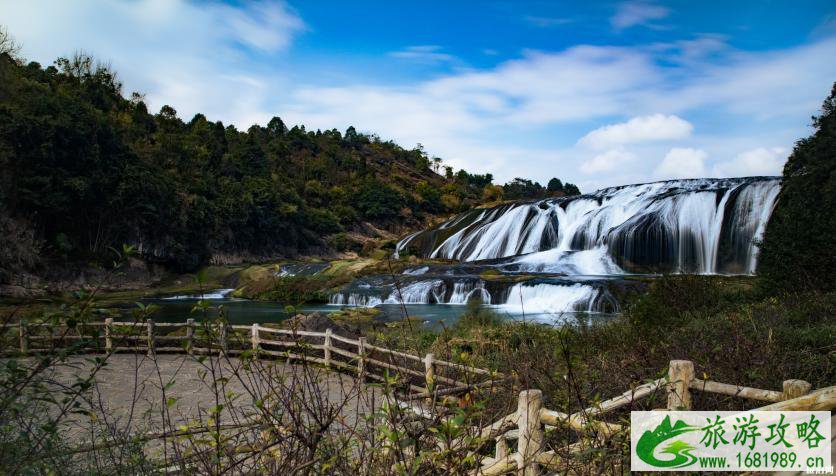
<point x="243" y="311"/>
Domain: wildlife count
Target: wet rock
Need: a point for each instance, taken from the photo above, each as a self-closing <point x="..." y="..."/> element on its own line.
<point x="318" y="322"/>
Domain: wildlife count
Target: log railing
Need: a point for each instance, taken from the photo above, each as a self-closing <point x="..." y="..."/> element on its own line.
<point x="419" y="375"/>
<point x="528" y="424"/>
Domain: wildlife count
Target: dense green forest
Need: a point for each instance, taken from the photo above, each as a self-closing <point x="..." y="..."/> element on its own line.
<point x="798" y="249"/>
<point x="83" y="168"/>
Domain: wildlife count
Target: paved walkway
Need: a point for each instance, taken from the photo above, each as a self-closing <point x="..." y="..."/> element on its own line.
<point x="141" y="393"/>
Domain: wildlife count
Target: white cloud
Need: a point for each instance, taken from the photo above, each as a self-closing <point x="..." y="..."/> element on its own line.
<point x="458" y="116"/>
<point x="423" y="53"/>
<point x="547" y="22"/>
<point x="630" y="14"/>
<point x="177" y="52"/>
<point x="760" y="161"/>
<point x="657" y="127"/>
<point x="268" y="26"/>
<point x="608" y="161"/>
<point x="682" y="163"/>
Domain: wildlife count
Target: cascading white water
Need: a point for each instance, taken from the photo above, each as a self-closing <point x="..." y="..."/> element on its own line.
<point x="548" y="298"/>
<point x="354" y="300"/>
<point x="753" y="208"/>
<point x="593" y="262"/>
<point x="464" y="291"/>
<point x="520" y="298"/>
<point x="209" y="295"/>
<point x="672" y="226"/>
<point x="421" y="292"/>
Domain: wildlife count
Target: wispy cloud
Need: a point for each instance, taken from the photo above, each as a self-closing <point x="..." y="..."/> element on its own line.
<point x="608" y="161"/>
<point x="459" y="115"/>
<point x="630" y="14"/>
<point x="266" y="25"/>
<point x="191" y="56"/>
<point x="657" y="127"/>
<point x="547" y="22"/>
<point x="423" y="54"/>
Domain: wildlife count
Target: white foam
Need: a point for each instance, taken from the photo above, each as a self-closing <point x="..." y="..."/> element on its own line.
<point x="547" y="298"/>
<point x="209" y="295"/>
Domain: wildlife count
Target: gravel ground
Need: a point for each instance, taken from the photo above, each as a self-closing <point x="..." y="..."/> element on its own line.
<point x="128" y="392"/>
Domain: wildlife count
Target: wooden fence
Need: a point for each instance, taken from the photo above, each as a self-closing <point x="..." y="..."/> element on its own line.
<point x="417" y="374"/>
<point x="517" y="440"/>
<point x="528" y="424"/>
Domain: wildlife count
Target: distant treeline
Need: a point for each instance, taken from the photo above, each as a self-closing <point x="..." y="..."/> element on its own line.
<point x="83" y="168"/>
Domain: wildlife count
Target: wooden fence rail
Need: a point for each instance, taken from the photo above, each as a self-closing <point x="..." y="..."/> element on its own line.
<point x="326" y="348"/>
<point x="531" y="418"/>
<point x="527" y="425"/>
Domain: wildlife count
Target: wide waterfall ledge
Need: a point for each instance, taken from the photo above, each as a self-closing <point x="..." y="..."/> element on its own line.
<point x="704" y="226"/>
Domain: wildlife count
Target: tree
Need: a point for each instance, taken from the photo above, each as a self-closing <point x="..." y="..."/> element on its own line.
<point x="521" y="189"/>
<point x="377" y="200"/>
<point x="430" y="197"/>
<point x="555" y="186"/>
<point x="276" y="127"/>
<point x="492" y="193"/>
<point x="436" y="164"/>
<point x="8" y="45"/>
<point x="571" y="189"/>
<point x="797" y="250"/>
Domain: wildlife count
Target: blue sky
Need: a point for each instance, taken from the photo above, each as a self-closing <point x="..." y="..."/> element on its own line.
<point x="596" y="93"/>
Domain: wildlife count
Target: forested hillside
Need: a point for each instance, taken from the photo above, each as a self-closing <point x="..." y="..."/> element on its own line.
<point x="798" y="249"/>
<point x="83" y="168"/>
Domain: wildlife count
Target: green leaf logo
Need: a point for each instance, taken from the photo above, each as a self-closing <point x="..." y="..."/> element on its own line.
<point x="680" y="450"/>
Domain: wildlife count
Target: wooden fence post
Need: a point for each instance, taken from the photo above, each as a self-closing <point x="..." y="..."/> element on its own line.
<point x="150" y="324"/>
<point x="361" y="351"/>
<point x="108" y="338"/>
<point x="190" y="336"/>
<point x="795" y="388"/>
<point x="429" y="370"/>
<point x="680" y="375"/>
<point x="24" y="337"/>
<point x="326" y="347"/>
<point x="255" y="339"/>
<point x="222" y="332"/>
<point x="501" y="448"/>
<point x="530" y="441"/>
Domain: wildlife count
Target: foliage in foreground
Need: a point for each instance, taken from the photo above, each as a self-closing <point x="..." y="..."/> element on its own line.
<point x="724" y="325"/>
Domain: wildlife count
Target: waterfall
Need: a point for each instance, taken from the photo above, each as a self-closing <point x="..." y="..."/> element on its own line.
<point x="354" y="300"/>
<point x="550" y="299"/>
<point x="704" y="226"/>
<point x="420" y="292"/>
<point x="464" y="291"/>
<point x="209" y="295"/>
<point x="537" y="298"/>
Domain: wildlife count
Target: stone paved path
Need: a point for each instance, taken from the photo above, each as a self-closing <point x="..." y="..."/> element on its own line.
<point x="129" y="389"/>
